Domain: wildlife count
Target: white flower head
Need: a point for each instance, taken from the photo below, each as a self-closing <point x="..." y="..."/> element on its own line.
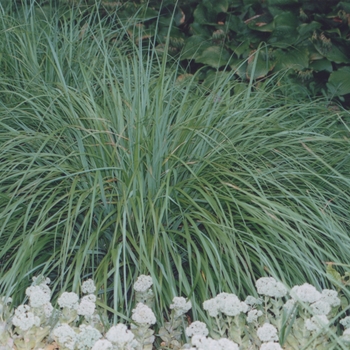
<point x="289" y="305"/>
<point x="143" y="314"/>
<point x="346" y="335"/>
<point x="320" y="308"/>
<point x="227" y="344"/>
<point x="5" y="301"/>
<point x="180" y="306"/>
<point x="305" y="293"/>
<point x="270" y="346"/>
<point x="197" y="328"/>
<point x="120" y="335"/>
<point x="212" y="306"/>
<point x="102" y="344"/>
<point x="267" y="333"/>
<point x="65" y="336"/>
<point x="270" y="287"/>
<point x="87" y="337"/>
<point x="38" y="295"/>
<point x="203" y="343"/>
<point x="143" y="283"/>
<point x="345" y="322"/>
<point x="87" y="305"/>
<point x="88" y="287"/>
<point x="331" y="297"/>
<point x="68" y="300"/>
<point x="228" y="304"/>
<point x="253" y="315"/>
<point x="47" y="309"/>
<point x="316" y="323"/>
<point x="24" y="319"/>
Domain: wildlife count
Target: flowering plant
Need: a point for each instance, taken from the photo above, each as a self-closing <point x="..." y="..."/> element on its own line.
<point x="298" y="319"/>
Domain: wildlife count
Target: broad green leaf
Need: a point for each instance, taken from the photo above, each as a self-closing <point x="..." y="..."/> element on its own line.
<point x="216" y="6"/>
<point x="240" y="88"/>
<point x="212" y="78"/>
<point x="320" y="65"/>
<point x="258" y="67"/>
<point x="239" y="66"/>
<point x="283" y="37"/>
<point x="336" y="55"/>
<point x="306" y="29"/>
<point x="203" y="16"/>
<point x="344" y="6"/>
<point x="333" y="273"/>
<point x="214" y="56"/>
<point x="201" y="30"/>
<point x="284" y="33"/>
<point x="194" y="46"/>
<point x="235" y="3"/>
<point x="281" y="2"/>
<point x="250" y="2"/>
<point x="236" y="24"/>
<point x="339" y="82"/>
<point x="264" y="23"/>
<point x="239" y="48"/>
<point x="286" y="19"/>
<point x="293" y="58"/>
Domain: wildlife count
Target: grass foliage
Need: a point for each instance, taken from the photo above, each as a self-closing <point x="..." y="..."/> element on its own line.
<point x="111" y="166"/>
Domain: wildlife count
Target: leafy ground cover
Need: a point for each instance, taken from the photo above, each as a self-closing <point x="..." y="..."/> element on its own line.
<point x="299" y="319"/>
<point x="114" y="163"/>
<point x="309" y="40"/>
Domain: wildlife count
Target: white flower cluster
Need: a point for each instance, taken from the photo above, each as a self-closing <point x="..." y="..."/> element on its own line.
<point x="345" y="322"/>
<point x="68" y="300"/>
<point x="24" y="319"/>
<point x="226" y="303"/>
<point x="83" y="339"/>
<point x="143" y="314"/>
<point x="320" y="303"/>
<point x="320" y="308"/>
<point x="316" y="323"/>
<point x="87" y="337"/>
<point x="87" y="306"/>
<point x="270" y="346"/>
<point x="65" y="336"/>
<point x="103" y="344"/>
<point x="88" y="287"/>
<point x="305" y="293"/>
<point x="346" y="335"/>
<point x="267" y="333"/>
<point x="253" y="315"/>
<point x="121" y="337"/>
<point x="197" y="328"/>
<point x="331" y="297"/>
<point x="270" y="287"/>
<point x="180" y="306"/>
<point x="289" y="305"/>
<point x="39" y="298"/>
<point x="38" y="295"/>
<point x="143" y="283"/>
<point x="203" y="343"/>
<point x="252" y="320"/>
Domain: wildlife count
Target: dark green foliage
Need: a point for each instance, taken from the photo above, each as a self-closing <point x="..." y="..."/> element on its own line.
<point x="308" y="39"/>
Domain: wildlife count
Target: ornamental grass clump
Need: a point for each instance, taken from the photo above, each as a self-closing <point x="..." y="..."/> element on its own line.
<point x="113" y="163"/>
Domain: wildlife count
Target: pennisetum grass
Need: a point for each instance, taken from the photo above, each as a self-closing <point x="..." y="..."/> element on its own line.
<point x="111" y="166"/>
